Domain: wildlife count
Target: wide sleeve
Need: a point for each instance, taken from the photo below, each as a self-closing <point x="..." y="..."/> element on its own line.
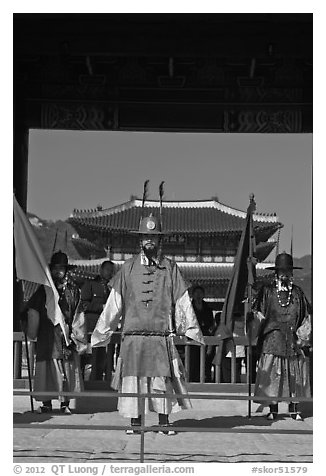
<point x="108" y="320"/>
<point x="79" y="329"/>
<point x="186" y="320"/>
<point x="179" y="286"/>
<point x="304" y="327"/>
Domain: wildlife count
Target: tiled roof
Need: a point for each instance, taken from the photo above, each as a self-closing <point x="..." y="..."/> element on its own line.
<point x="263" y="249"/>
<point x="193" y="272"/>
<point x="205" y="272"/>
<point x="202" y="217"/>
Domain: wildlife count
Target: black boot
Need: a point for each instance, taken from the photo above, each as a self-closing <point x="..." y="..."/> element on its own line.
<point x="293" y="411"/>
<point x="46" y="407"/>
<point x="134" y="422"/>
<point x="64" y="407"/>
<point x="273" y="412"/>
<point x="163" y="420"/>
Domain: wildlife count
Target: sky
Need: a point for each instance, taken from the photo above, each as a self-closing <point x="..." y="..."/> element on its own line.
<point x="81" y="169"/>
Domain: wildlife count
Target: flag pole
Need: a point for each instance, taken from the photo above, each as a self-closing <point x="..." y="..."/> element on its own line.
<point x="29" y="371"/>
<point x="250" y="259"/>
<point x="23" y="325"/>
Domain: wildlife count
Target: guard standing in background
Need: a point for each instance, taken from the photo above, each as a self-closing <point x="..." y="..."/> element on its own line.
<point x="94" y="295"/>
<point x="284" y="339"/>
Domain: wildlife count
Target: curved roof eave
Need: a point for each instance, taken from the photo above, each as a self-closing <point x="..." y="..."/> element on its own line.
<point x="213" y="203"/>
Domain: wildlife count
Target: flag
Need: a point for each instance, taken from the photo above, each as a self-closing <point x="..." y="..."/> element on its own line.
<point x="29" y="289"/>
<point x="243" y="274"/>
<point x="32" y="268"/>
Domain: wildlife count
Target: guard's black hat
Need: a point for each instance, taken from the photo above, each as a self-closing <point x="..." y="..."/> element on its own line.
<point x="59" y="259"/>
<point x="284" y="261"/>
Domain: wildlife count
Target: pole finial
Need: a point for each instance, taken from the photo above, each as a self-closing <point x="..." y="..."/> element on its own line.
<point x="55" y="241"/>
<point x="252" y="204"/>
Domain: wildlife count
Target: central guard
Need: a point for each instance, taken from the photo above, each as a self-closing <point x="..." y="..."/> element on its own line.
<point x="150" y="297"/>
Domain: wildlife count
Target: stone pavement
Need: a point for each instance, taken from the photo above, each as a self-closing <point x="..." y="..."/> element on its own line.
<point x="87" y="446"/>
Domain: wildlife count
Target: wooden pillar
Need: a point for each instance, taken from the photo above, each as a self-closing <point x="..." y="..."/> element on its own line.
<point x="20" y="164"/>
<point x="217" y="371"/>
<point x="20" y="189"/>
<point x="20" y="146"/>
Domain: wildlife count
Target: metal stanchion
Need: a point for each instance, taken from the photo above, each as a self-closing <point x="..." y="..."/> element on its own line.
<point x="202" y="363"/>
<point x="29" y="372"/>
<point x="142" y="432"/>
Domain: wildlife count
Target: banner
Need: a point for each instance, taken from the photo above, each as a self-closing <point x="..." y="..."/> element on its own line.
<point x="32" y="267"/>
<point x="243" y="275"/>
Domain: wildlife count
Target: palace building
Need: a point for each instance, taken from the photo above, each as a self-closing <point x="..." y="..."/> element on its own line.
<point x="203" y="238"/>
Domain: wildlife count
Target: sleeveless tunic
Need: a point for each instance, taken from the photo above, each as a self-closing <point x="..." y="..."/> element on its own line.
<point x="149" y="295"/>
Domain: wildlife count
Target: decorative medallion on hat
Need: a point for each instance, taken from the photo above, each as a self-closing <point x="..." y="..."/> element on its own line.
<point x="150" y="225"/>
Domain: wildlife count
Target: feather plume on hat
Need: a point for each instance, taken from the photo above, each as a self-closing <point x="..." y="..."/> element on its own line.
<point x="145" y="194"/>
<point x="161" y="193"/>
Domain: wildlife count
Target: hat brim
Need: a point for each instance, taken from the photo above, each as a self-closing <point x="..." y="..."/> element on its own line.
<point x="67" y="266"/>
<point x="289" y="267"/>
<point x="136" y="232"/>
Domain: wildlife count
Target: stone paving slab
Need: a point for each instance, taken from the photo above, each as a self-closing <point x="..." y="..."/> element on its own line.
<point x="70" y="445"/>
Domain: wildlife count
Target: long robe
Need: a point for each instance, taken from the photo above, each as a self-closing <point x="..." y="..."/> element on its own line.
<point x="283" y="368"/>
<point x="153" y="303"/>
<point x="58" y="367"/>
